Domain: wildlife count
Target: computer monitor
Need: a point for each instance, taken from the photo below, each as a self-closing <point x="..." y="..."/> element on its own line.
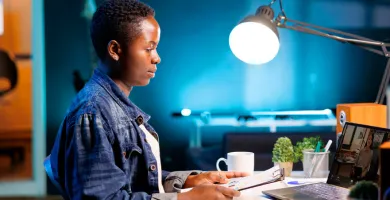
<point x="357" y="157"/>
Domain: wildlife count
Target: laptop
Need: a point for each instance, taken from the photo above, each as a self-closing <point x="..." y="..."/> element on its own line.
<point x="356" y="159"/>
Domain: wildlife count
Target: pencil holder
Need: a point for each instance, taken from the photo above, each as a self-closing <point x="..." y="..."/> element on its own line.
<point x="315" y="164"/>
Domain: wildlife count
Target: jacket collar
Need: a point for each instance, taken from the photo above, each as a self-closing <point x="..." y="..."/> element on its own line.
<point x="109" y="85"/>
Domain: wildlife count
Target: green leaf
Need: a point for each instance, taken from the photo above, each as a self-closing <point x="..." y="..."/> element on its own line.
<point x="305" y="144"/>
<point x="283" y="150"/>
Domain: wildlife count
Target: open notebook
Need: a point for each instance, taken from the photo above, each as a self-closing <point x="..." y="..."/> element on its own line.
<point x="271" y="175"/>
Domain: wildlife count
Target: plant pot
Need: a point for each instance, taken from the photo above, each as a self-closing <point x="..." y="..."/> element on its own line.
<point x="288" y="166"/>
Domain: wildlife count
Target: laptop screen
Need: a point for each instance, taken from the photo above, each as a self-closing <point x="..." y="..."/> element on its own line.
<point x="357" y="156"/>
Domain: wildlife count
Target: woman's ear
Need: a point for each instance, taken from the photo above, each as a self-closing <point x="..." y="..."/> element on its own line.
<point x="114" y="50"/>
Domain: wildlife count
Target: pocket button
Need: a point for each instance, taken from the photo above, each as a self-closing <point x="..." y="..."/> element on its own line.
<point x="152" y="167"/>
<point x="126" y="155"/>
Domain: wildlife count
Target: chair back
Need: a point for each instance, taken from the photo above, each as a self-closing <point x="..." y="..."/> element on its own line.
<point x="8" y="70"/>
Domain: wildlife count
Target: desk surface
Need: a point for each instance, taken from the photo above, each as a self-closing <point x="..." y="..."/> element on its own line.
<point x="257" y="193"/>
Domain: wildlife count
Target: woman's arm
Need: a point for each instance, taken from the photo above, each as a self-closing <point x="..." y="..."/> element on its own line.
<point x="90" y="169"/>
<point x="165" y="174"/>
<point x="174" y="181"/>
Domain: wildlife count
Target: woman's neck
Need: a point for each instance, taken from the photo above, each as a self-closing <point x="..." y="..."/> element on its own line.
<point x="125" y="88"/>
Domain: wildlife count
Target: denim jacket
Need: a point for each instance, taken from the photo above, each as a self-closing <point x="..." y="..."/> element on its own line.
<point x="101" y="153"/>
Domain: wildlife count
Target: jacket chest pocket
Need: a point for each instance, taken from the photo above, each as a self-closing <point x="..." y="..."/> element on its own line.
<point x="131" y="156"/>
<point x="130" y="151"/>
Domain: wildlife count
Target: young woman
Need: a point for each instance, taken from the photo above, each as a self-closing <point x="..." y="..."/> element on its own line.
<point x="105" y="148"/>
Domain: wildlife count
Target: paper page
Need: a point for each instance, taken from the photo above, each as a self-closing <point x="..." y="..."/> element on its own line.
<point x="243" y="182"/>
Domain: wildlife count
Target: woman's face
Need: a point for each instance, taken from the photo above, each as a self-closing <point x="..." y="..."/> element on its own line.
<point x="139" y="61"/>
<point x="369" y="141"/>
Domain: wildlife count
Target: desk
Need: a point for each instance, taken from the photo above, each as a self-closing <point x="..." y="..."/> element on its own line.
<point x="256" y="193"/>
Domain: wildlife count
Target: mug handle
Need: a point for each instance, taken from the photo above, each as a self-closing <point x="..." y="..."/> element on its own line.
<point x="219" y="160"/>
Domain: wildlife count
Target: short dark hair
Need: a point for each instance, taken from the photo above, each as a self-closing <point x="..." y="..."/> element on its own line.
<point x="117" y="20"/>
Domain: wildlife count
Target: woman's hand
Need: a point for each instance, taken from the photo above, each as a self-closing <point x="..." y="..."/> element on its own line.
<point x="209" y="192"/>
<point x="212" y="178"/>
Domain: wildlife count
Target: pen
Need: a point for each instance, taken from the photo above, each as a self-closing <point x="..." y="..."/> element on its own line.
<point x="328" y="145"/>
<point x="295" y="182"/>
<point x="318" y="146"/>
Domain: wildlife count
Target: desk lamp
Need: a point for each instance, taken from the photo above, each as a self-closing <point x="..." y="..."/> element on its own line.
<point x="255" y="40"/>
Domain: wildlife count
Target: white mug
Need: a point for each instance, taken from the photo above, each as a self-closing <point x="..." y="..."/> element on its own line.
<point x="239" y="162"/>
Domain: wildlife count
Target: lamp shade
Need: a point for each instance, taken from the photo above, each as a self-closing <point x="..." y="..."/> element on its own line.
<point x="255" y="40"/>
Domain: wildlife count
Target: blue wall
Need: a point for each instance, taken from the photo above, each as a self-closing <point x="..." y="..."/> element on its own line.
<point x="198" y="70"/>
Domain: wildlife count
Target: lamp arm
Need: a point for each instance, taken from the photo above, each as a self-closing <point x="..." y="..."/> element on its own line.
<point x="327" y="29"/>
<point x="356" y="40"/>
<point x="358" y="43"/>
<point x="385" y="80"/>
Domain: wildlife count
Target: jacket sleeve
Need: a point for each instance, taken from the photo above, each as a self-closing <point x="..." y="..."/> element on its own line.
<point x="90" y="170"/>
<point x="165" y="175"/>
<point x="175" y="180"/>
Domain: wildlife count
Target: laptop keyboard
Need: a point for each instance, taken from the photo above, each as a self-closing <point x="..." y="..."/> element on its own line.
<point x="323" y="191"/>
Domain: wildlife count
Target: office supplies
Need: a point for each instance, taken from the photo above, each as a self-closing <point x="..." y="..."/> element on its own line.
<point x="317" y="163"/>
<point x="296" y="182"/>
<point x="318" y="147"/>
<point x="316" y="159"/>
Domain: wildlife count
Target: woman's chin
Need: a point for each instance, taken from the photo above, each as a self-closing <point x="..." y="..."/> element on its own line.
<point x="144" y="82"/>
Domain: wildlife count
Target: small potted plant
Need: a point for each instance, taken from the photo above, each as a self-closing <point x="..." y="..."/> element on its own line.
<point x="308" y="143"/>
<point x="283" y="154"/>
